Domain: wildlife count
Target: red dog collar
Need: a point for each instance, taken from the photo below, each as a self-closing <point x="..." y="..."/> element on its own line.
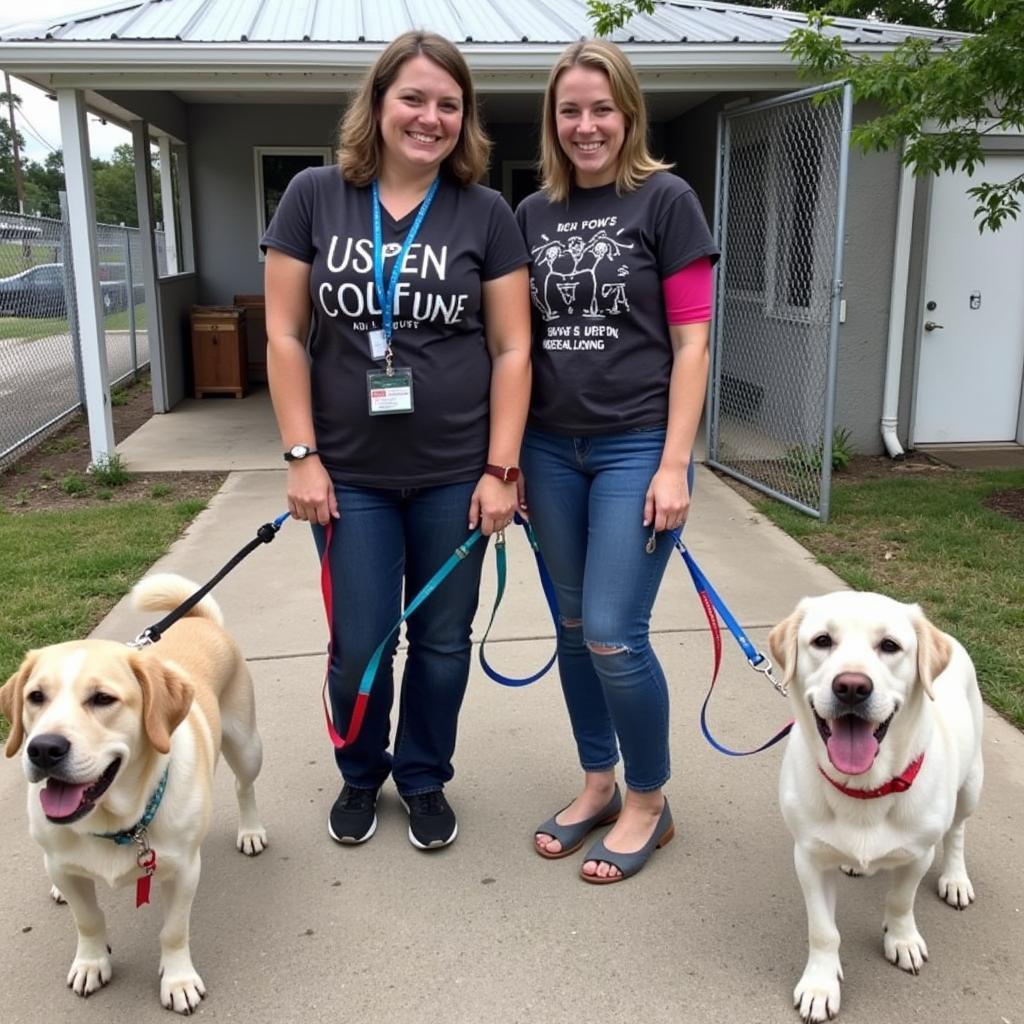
<point x="900" y="784"/>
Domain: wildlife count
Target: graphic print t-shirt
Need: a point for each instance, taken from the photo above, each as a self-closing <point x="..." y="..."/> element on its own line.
<point x="601" y="349"/>
<point x="467" y="237"/>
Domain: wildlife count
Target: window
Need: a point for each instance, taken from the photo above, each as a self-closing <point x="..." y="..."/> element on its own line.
<point x="275" y="167"/>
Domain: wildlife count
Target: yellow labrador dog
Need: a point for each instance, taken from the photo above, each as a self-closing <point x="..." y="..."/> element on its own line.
<point x="884" y="762"/>
<point x="120" y="747"/>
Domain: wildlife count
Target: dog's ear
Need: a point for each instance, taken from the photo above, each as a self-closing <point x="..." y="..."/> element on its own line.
<point x="166" y="697"/>
<point x="12" y="697"/>
<point x="782" y="643"/>
<point x="933" y="650"/>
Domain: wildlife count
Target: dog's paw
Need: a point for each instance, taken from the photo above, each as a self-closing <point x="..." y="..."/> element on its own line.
<point x="89" y="974"/>
<point x="816" y="995"/>
<point x="851" y="871"/>
<point x="57" y="896"/>
<point x="905" y="948"/>
<point x="956" y="890"/>
<point x="181" y="991"/>
<point x="252" y="842"/>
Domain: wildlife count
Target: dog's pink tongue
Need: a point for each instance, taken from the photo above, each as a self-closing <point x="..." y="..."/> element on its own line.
<point x="852" y="745"/>
<point x="59" y="799"/>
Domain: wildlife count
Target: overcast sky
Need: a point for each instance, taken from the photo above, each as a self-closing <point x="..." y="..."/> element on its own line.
<point x="38" y="121"/>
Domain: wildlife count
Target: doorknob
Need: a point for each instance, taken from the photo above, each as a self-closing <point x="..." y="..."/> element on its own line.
<point x="931" y="325"/>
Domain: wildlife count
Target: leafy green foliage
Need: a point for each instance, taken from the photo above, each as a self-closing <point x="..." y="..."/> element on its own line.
<point x="964" y="89"/>
<point x="607" y="17"/>
<point x="802" y="460"/>
<point x="110" y="472"/>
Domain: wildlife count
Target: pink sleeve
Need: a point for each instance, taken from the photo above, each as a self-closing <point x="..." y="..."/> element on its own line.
<point x="688" y="293"/>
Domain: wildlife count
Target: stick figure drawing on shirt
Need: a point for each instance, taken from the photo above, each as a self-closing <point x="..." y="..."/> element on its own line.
<point x="570" y="266"/>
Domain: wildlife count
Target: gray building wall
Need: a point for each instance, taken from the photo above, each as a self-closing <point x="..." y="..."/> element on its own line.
<point x="222" y="138"/>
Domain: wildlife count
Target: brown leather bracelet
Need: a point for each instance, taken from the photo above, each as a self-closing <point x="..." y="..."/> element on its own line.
<point x="507" y="474"/>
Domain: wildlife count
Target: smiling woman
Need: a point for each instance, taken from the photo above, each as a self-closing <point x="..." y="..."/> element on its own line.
<point x="409" y="279"/>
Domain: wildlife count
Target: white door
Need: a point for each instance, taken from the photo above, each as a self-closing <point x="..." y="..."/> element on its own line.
<point x="971" y="362"/>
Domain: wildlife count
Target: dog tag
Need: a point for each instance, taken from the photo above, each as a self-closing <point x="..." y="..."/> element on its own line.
<point x="147" y="862"/>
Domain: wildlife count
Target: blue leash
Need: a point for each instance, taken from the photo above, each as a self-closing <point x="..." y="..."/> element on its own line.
<point x="712" y="603"/>
<point x="549" y="596"/>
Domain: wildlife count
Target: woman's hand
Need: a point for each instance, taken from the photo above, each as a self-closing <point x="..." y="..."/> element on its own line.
<point x="667" y="503"/>
<point x="311" y="495"/>
<point x="493" y="504"/>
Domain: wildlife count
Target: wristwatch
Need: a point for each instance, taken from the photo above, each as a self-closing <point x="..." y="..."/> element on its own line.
<point x="298" y="452"/>
<point x="507" y="474"/>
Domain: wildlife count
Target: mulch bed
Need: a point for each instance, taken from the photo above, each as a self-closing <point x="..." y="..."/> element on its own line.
<point x="1010" y="503"/>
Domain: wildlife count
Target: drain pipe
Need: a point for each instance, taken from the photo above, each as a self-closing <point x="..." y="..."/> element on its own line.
<point x="897" y="314"/>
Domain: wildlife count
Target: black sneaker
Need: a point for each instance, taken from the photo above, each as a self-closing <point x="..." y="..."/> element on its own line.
<point x="353" y="817"/>
<point x="431" y="821"/>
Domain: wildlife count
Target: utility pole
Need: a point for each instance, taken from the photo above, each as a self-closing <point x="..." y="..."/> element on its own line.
<point x="19" y="185"/>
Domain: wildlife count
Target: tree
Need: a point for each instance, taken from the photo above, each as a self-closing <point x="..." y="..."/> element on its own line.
<point x="940" y="98"/>
<point x="8" y="192"/>
<point x="966" y="89"/>
<point x="43" y="184"/>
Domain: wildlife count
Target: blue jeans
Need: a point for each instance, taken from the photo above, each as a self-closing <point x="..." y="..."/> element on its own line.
<point x="383" y="539"/>
<point x="586" y="498"/>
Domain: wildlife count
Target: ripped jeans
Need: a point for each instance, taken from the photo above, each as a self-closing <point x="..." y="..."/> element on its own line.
<point x="586" y="501"/>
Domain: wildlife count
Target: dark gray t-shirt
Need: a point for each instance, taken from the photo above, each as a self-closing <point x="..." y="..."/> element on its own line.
<point x="468" y="236"/>
<point x="602" y="356"/>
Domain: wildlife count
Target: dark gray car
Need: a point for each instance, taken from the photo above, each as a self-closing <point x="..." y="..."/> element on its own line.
<point x="39" y="292"/>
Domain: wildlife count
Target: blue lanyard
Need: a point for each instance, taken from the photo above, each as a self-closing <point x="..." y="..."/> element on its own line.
<point x="387" y="298"/>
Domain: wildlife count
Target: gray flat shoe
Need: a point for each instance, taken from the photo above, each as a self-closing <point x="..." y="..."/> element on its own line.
<point x="572" y="836"/>
<point x="630" y="863"/>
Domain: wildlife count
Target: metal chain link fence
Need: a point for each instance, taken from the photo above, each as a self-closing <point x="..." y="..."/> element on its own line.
<point x="782" y="186"/>
<point x="40" y="356"/>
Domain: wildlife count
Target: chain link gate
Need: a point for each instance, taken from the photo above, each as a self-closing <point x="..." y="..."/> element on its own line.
<point x="40" y="358"/>
<point x="781" y="203"/>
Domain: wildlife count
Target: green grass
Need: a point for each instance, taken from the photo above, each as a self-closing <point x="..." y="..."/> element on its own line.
<point x="931" y="540"/>
<point x="30" y="328"/>
<point x="61" y="572"/>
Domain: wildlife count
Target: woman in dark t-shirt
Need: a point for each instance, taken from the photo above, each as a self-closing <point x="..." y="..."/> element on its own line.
<point x="404" y="421"/>
<point x="621" y="289"/>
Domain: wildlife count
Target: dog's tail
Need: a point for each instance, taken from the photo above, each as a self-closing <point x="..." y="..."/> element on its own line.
<point x="165" y="591"/>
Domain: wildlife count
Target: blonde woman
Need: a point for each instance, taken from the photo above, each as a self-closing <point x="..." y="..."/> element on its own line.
<point x="621" y="289"/>
<point x="403" y="424"/>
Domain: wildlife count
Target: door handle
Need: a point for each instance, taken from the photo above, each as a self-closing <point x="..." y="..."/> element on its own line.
<point x="931" y="325"/>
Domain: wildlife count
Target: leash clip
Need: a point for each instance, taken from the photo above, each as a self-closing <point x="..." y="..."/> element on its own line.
<point x="764" y="666"/>
<point x="144" y="639"/>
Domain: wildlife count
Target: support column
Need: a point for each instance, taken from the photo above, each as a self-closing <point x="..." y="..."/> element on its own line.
<point x="74" y="137"/>
<point x="144" y="199"/>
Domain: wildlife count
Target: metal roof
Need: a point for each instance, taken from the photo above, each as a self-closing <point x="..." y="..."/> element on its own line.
<point x="464" y="21"/>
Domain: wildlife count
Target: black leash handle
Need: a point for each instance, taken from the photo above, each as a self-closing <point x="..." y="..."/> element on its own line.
<point x="264" y="535"/>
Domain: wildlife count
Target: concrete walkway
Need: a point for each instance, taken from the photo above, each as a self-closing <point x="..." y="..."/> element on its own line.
<point x="486" y="931"/>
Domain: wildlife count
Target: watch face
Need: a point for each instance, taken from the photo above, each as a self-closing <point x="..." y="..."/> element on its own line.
<point x="298" y="451"/>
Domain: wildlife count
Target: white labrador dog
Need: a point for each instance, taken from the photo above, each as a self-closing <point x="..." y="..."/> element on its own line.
<point x="120" y="750"/>
<point x="884" y="762"/>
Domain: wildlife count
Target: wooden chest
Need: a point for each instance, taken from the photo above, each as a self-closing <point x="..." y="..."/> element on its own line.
<point x="219" y="351"/>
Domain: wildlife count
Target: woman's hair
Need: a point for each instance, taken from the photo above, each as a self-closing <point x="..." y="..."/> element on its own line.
<point x="636" y="164"/>
<point x="359" y="142"/>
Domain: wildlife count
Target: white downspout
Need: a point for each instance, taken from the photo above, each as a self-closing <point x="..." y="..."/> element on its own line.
<point x="897" y="313"/>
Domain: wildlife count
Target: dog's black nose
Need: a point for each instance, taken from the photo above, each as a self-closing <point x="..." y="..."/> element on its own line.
<point x="47" y="750"/>
<point x="852" y="687"/>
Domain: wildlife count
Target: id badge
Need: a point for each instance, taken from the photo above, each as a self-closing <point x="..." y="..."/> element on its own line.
<point x="391" y="394"/>
<point x="378" y="345"/>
